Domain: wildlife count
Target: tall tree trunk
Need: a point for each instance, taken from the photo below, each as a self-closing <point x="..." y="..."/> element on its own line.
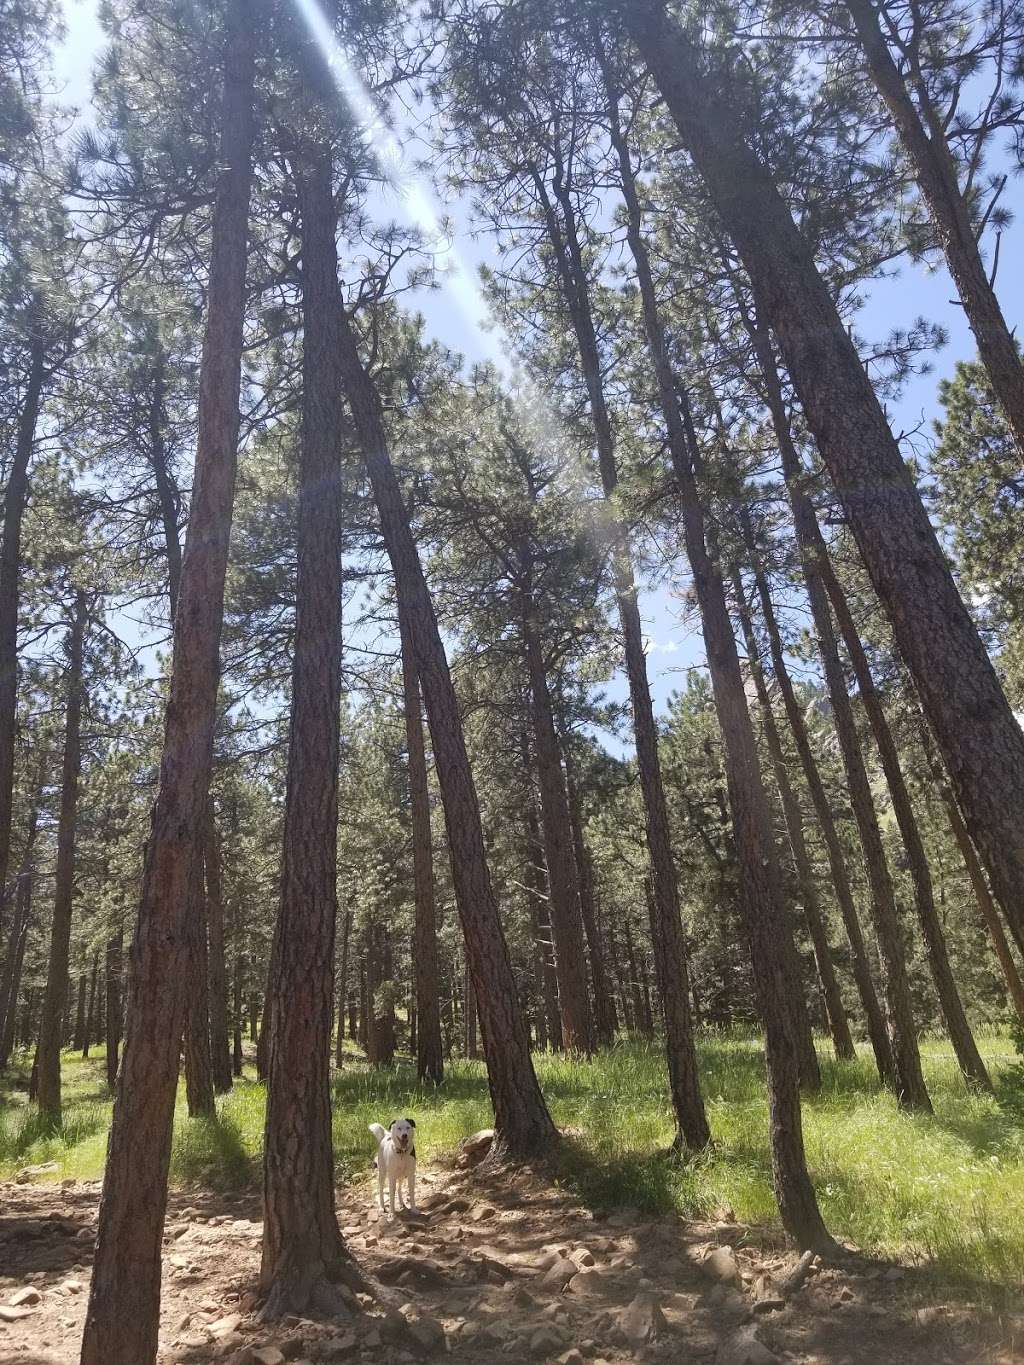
<point x="429" y="1051"/>
<point x="877" y="1032"/>
<point x="981" y="742"/>
<point x="842" y="1039"/>
<point x="124" y="1303"/>
<point x="923" y="134"/>
<point x="198" y="1062"/>
<point x="50" y="1031"/>
<point x="523" y="1125"/>
<point x="89" y="1032"/>
<point x="535" y="878"/>
<point x="953" y="1013"/>
<point x="563" y="885"/>
<point x="79" y="1041"/>
<point x="220" y="1042"/>
<point x="976" y="875"/>
<point x="469" y="1013"/>
<point x="605" y="1022"/>
<point x="304" y="1254"/>
<point x="909" y="1078"/>
<point x="15" y="961"/>
<point x="15" y="498"/>
<point x="775" y="963"/>
<point x="114" y="972"/>
<point x="670" y="962"/>
<point x="167" y="492"/>
<point x="237" y="1008"/>
<point x="342" y="992"/>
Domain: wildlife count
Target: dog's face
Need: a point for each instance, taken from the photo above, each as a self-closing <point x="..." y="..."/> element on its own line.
<point x="402" y="1133"/>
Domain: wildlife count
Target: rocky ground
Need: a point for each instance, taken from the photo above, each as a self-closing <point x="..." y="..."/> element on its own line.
<point x="496" y="1265"/>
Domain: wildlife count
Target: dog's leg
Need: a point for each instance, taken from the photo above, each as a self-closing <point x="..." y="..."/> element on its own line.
<point x="412" y="1189"/>
<point x="391" y="1188"/>
<point x="401" y="1195"/>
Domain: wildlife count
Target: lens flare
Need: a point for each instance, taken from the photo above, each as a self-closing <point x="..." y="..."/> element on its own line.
<point x="414" y="193"/>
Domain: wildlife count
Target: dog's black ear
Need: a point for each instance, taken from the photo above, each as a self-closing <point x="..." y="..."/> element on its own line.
<point x="392" y="1124"/>
<point x="411" y="1123"/>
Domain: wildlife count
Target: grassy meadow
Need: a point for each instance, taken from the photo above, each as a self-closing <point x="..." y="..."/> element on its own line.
<point x="945" y="1192"/>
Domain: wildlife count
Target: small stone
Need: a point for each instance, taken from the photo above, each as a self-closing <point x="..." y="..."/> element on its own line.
<point x="339" y="1348"/>
<point x="9" y="1314"/>
<point x="744" y="1348"/>
<point x="559" y="1275"/>
<point x="483" y="1212"/>
<point x="572" y="1357"/>
<point x="222" y="1327"/>
<point x="720" y="1264"/>
<point x="267" y="1355"/>
<point x="72" y="1286"/>
<point x="547" y="1340"/>
<point x="582" y="1257"/>
<point x="426" y="1333"/>
<point x="643" y="1320"/>
<point x="25" y="1296"/>
<point x="473" y="1150"/>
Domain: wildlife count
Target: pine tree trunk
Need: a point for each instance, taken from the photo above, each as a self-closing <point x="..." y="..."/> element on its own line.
<point x="923" y="134"/>
<point x="975" y="872"/>
<point x="15" y="498"/>
<point x="953" y="1013"/>
<point x="469" y="1014"/>
<point x="877" y="1031"/>
<point x="114" y="972"/>
<point x="981" y="742"/>
<point x="563" y="885"/>
<point x="605" y="1023"/>
<point x="89" y="1032"/>
<point x="198" y="1063"/>
<point x="304" y="1254"/>
<point x="842" y="1039"/>
<point x="909" y="1078"/>
<point x="15" y="962"/>
<point x="220" y="1042"/>
<point x="124" y="1303"/>
<point x="50" y="1031"/>
<point x="670" y="960"/>
<point x="80" y="1040"/>
<point x="535" y="878"/>
<point x="237" y="1003"/>
<point x="523" y="1125"/>
<point x="429" y="1052"/>
<point x="342" y="992"/>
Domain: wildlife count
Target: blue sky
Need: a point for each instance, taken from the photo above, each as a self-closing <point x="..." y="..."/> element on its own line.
<point x="453" y="316"/>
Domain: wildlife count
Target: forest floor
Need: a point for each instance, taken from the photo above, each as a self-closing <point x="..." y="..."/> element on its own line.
<point x="687" y="1261"/>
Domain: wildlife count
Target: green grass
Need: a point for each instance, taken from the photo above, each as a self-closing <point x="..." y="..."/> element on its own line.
<point x="946" y="1192"/>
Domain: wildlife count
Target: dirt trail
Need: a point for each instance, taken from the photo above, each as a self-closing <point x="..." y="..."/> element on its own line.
<point x="496" y="1264"/>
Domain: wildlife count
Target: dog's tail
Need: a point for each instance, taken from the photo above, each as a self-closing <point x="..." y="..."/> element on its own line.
<point x="379" y="1132"/>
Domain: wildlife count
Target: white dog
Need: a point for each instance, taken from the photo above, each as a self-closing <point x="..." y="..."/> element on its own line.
<point x="396" y="1161"/>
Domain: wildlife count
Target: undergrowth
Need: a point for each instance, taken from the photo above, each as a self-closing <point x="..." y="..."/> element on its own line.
<point x="946" y="1192"/>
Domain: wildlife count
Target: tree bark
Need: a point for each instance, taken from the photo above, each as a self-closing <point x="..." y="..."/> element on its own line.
<point x="342" y="991"/>
<point x="429" y="1050"/>
<point x="842" y="1039"/>
<point x="198" y="1062"/>
<point x="605" y="1022"/>
<point x="220" y="1042"/>
<point x="563" y="885"/>
<point x="671" y="967"/>
<point x="15" y="961"/>
<point x="908" y="1076"/>
<point x="304" y="1254"/>
<point x="79" y="1040"/>
<point x="124" y="1303"/>
<point x="522" y="1123"/>
<point x="50" y="1030"/>
<point x="89" y="1032"/>
<point x="114" y="972"/>
<point x="15" y="498"/>
<point x="923" y="135"/>
<point x="981" y="742"/>
<point x="953" y="1013"/>
<point x="976" y="874"/>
